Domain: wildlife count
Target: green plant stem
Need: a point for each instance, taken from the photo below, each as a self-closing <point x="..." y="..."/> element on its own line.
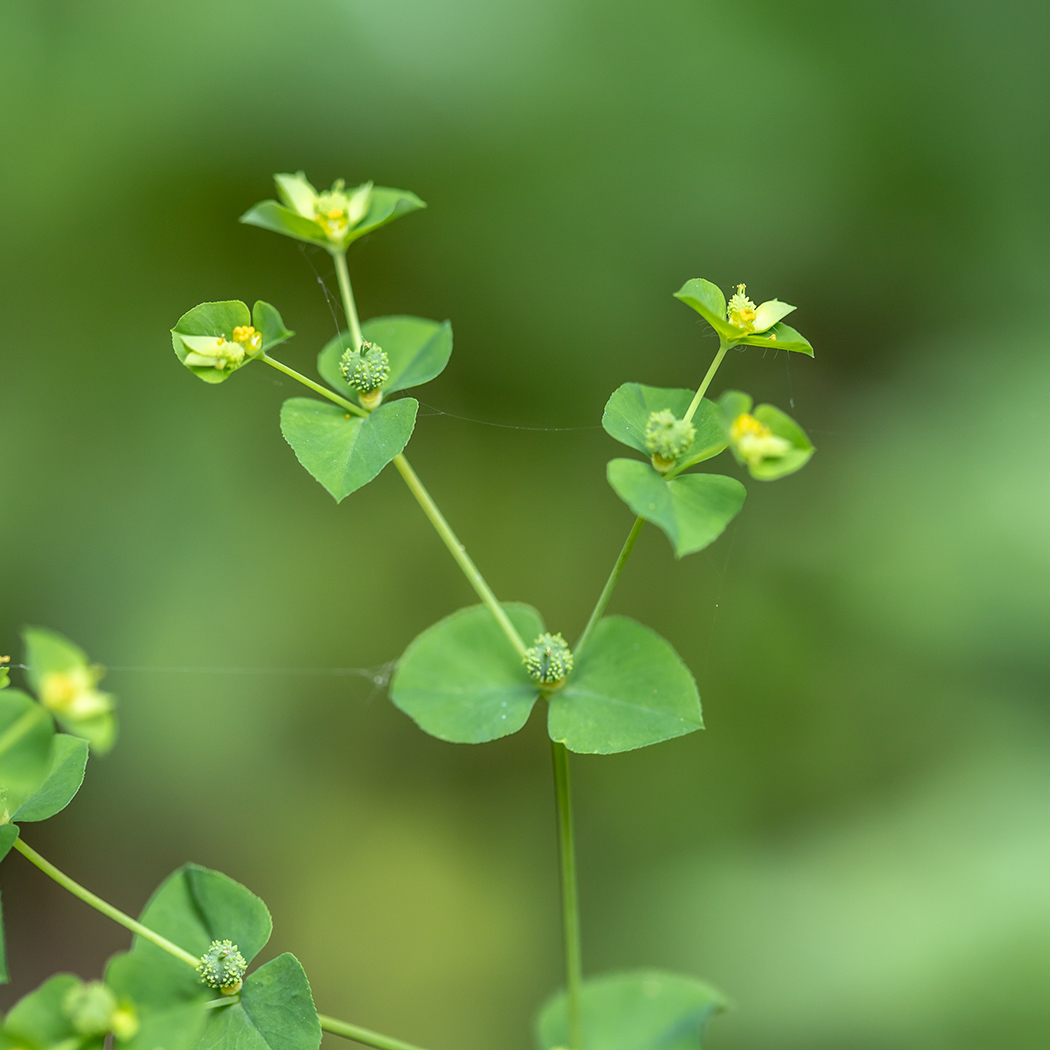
<point x="363" y="1035"/>
<point x="349" y="306"/>
<point x="100" y="905"/>
<point x="437" y="519"/>
<point x="458" y="551"/>
<point x="316" y="387"/>
<point x="702" y="389"/>
<point x="570" y="903"/>
<point x="610" y="583"/>
<point x="20" y="727"/>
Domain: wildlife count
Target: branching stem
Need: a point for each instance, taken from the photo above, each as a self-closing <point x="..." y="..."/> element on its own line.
<point x="570" y="904"/>
<point x="357" y="410"/>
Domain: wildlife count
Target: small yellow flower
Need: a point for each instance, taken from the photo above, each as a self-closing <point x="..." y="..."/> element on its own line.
<point x="742" y="313"/>
<point x="755" y="441"/>
<point x="335" y="210"/>
<point x="73" y="695"/>
<point x="248" y="337"/>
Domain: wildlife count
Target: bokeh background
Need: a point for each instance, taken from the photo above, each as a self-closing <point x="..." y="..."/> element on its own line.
<point x="858" y="848"/>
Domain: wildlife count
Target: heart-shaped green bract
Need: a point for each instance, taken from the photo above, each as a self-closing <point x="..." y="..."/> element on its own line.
<point x="8" y="834"/>
<point x="215" y="319"/>
<point x="191" y="908"/>
<point x="385" y="205"/>
<point x="39" y="1020"/>
<point x="26" y="735"/>
<point x="627" y="415"/>
<point x="640" y="1010"/>
<point x="65" y="774"/>
<point x="629" y="689"/>
<point x="709" y="302"/>
<point x="734" y="403"/>
<point x="462" y="681"/>
<point x="418" y="351"/>
<point x="48" y="652"/>
<point x="343" y="451"/>
<point x="275" y="1011"/>
<point x="692" y="509"/>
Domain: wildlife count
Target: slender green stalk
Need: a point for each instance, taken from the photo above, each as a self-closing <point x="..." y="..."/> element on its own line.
<point x="570" y="904"/>
<point x="100" y="905"/>
<point x="363" y="1035"/>
<point x="349" y="306"/>
<point x="458" y="551"/>
<point x="322" y="390"/>
<point x="702" y="389"/>
<point x="610" y="583"/>
<point x="20" y="727"/>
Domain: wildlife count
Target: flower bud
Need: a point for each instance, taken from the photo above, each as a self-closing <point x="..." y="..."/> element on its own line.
<point x="223" y="967"/>
<point x="366" y="369"/>
<point x="549" y="659"/>
<point x="754" y="441"/>
<point x="667" y="437"/>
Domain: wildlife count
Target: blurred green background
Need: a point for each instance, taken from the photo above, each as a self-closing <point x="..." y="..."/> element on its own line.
<point x="857" y="849"/>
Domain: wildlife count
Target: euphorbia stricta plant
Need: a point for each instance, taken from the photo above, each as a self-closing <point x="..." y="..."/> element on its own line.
<point x="474" y="676"/>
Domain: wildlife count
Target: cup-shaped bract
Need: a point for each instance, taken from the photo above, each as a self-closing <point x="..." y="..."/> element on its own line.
<point x="333" y="218"/>
<point x="214" y="340"/>
<point x="741" y="320"/>
<point x="769" y="442"/>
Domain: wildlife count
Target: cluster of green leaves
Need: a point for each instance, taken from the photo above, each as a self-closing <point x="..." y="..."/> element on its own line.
<point x="151" y="1000"/>
<point x="41" y="769"/>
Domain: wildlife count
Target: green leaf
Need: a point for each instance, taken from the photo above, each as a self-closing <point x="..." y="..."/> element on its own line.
<point x="269" y="215"/>
<point x="77" y="705"/>
<point x="783" y="426"/>
<point x="627" y="414"/>
<point x="26" y="732"/>
<point x="8" y="834"/>
<point x="629" y="689"/>
<point x="211" y="320"/>
<point x="39" y="1019"/>
<point x="275" y="1012"/>
<point x="692" y="509"/>
<point x="176" y="1027"/>
<point x="268" y="323"/>
<point x="418" y="350"/>
<point x="69" y="755"/>
<point x="462" y="681"/>
<point x="343" y="451"/>
<point x="641" y="1010"/>
<point x="385" y="206"/>
<point x="780" y="337"/>
<point x="709" y="302"/>
<point x="192" y="907"/>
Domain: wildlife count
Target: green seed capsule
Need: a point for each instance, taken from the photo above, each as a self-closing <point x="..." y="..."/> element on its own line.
<point x="365" y="369"/>
<point x="549" y="659"/>
<point x="667" y="437"/>
<point x="222" y="966"/>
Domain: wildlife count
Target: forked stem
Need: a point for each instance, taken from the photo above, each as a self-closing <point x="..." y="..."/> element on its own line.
<point x="570" y="902"/>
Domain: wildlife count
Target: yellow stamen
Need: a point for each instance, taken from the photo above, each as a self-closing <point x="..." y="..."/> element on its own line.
<point x="740" y="312"/>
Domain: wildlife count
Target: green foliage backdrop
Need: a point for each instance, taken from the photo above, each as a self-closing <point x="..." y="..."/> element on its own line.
<point x="857" y="846"/>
